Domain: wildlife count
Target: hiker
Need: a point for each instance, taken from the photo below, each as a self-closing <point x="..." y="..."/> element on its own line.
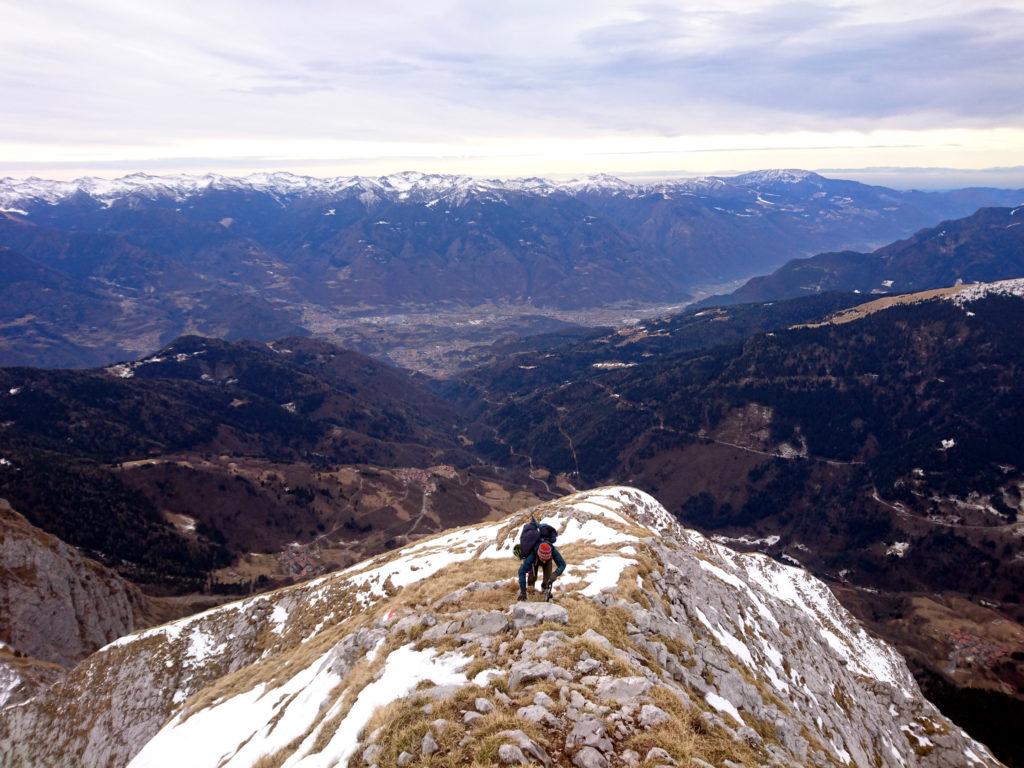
<point x="537" y="549"/>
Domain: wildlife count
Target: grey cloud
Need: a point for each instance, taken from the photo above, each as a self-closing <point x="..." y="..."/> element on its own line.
<point x="572" y="68"/>
<point x="953" y="65"/>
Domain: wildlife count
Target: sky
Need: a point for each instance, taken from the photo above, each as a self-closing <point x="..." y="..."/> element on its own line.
<point x="905" y="89"/>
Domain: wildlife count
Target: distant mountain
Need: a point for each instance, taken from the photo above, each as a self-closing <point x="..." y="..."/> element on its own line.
<point x="150" y="258"/>
<point x="289" y="399"/>
<point x="917" y="401"/>
<point x="661" y="648"/>
<point x="986" y="246"/>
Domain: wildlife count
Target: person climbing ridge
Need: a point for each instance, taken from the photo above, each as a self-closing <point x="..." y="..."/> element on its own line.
<point x="537" y="550"/>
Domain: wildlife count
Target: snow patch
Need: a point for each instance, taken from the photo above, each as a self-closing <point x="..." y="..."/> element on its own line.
<point x="404" y="669"/>
<point x="593" y="531"/>
<point x="897" y="549"/>
<point x="200" y="647"/>
<point x="862" y="653"/>
<point x="599" y="573"/>
<point x="278" y="617"/>
<point x="238" y="731"/>
<point x="723" y="705"/>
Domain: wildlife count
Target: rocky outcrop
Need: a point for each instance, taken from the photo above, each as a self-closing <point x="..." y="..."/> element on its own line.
<point x="662" y="648"/>
<point x="57" y="605"/>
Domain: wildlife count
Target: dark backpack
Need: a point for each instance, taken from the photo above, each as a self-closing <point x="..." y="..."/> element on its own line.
<point x="547" y="533"/>
<point x="529" y="538"/>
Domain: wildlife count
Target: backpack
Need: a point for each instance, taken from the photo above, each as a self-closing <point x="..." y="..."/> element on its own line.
<point x="548" y="533"/>
<point x="529" y="538"/>
<point x="533" y="534"/>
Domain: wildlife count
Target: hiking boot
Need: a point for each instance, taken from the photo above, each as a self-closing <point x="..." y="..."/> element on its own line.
<point x="547" y="586"/>
<point x="522" y="595"/>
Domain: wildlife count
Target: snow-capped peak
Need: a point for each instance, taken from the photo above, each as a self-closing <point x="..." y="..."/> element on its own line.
<point x="410" y="186"/>
<point x="774" y="176"/>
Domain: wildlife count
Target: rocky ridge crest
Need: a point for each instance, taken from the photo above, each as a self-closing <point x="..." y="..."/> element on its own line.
<point x="663" y="648"/>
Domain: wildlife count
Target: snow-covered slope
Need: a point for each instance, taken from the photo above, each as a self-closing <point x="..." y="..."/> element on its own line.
<point x="968" y="293"/>
<point x="399" y="186"/>
<point x="662" y="646"/>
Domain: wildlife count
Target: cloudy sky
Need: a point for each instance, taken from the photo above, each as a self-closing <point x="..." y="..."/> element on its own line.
<point x="509" y="88"/>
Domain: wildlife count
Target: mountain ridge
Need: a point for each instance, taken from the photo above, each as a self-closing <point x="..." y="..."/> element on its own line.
<point x="983" y="247"/>
<point x="693" y="662"/>
<point x="101" y="270"/>
<point x="407" y="183"/>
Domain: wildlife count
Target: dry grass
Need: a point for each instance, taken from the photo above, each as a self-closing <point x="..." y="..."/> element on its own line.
<point x="403" y="723"/>
<point x="877" y="305"/>
<point x="276" y="759"/>
<point x="686" y="735"/>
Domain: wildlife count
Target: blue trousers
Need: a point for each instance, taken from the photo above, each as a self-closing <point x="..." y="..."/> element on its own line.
<point x="532" y="558"/>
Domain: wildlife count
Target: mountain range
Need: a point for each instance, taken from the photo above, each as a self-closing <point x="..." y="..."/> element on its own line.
<point x="903" y="491"/>
<point x="854" y="415"/>
<point x="98" y="270"/>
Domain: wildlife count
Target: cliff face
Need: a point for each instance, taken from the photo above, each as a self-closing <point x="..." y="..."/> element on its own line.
<point x="661" y="648"/>
<point x="57" y="605"/>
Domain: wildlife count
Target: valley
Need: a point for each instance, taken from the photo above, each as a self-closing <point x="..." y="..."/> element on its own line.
<point x="413" y="266"/>
<point x="544" y="385"/>
<point x="440" y="340"/>
<point x="869" y="439"/>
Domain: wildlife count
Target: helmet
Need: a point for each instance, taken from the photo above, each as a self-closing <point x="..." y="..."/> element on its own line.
<point x="544" y="551"/>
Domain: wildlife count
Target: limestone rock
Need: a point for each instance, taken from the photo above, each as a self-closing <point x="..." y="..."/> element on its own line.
<point x="651" y="716"/>
<point x="510" y="754"/>
<point x="537" y="714"/>
<point x="371" y="753"/>
<point x="59" y="605"/>
<point x="531" y="614"/>
<point x="622" y="689"/>
<point x="527" y="671"/>
<point x="527" y="745"/>
<point x="482" y="705"/>
<point x="429" y="745"/>
<point x="588" y="732"/>
<point x="588" y="757"/>
<point x="659" y="755"/>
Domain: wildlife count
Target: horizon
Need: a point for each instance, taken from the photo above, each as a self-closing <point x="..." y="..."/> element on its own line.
<point x="900" y="178"/>
<point x="524" y="90"/>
